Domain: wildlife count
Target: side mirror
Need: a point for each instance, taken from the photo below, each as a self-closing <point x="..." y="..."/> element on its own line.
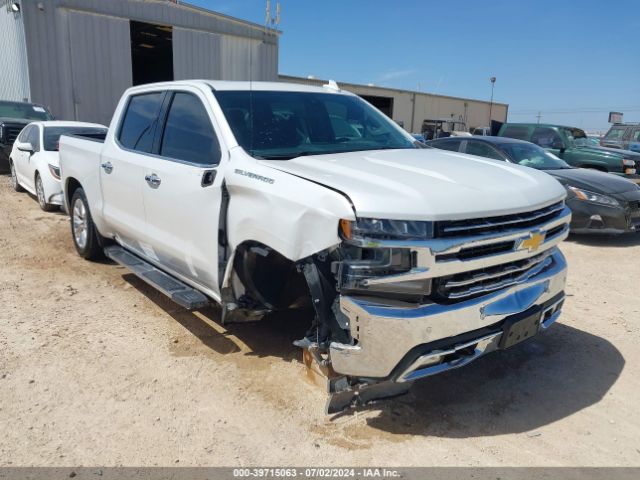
<point x="558" y="145"/>
<point x="25" y="147"/>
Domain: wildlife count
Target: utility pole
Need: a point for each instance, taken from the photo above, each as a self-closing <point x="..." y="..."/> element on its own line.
<point x="538" y="116"/>
<point x="493" y="83"/>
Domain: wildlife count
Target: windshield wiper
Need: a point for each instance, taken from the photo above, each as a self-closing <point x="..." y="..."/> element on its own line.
<point x="289" y="156"/>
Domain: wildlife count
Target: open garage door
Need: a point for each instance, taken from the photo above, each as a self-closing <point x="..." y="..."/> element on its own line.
<point x="384" y="104"/>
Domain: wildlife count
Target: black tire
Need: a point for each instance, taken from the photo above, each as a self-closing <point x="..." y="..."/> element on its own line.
<point x="42" y="201"/>
<point x="14" y="177"/>
<point x="83" y="231"/>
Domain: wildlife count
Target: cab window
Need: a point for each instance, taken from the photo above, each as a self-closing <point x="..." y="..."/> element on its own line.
<point x="616" y="133"/>
<point x="545" y="137"/>
<point x="139" y="123"/>
<point x="188" y="133"/>
<point x="516" y="131"/>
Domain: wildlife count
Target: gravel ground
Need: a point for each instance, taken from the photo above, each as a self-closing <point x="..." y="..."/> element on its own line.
<point x="98" y="369"/>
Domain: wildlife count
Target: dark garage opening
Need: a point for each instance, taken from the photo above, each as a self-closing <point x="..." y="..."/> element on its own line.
<point x="384" y="104"/>
<point x="151" y="53"/>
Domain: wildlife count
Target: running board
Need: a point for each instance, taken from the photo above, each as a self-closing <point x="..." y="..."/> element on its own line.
<point x="179" y="292"/>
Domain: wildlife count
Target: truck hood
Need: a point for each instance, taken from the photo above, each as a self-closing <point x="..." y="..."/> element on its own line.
<point x="426" y="184"/>
<point x="609" y="152"/>
<point x="17" y="121"/>
<point x="593" y="180"/>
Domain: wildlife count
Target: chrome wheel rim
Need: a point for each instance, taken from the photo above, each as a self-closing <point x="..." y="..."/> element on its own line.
<point x="79" y="219"/>
<point x="40" y="191"/>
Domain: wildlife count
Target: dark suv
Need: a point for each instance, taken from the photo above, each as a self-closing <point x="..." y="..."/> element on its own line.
<point x="624" y="136"/>
<point x="572" y="145"/>
<point x="14" y="116"/>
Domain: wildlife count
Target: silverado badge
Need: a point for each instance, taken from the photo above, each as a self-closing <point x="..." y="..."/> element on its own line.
<point x="534" y="241"/>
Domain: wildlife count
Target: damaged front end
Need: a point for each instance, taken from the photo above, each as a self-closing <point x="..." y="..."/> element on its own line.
<point x="414" y="299"/>
<point x="397" y="301"/>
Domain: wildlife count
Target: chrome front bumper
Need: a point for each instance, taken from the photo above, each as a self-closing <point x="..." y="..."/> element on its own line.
<point x="387" y="335"/>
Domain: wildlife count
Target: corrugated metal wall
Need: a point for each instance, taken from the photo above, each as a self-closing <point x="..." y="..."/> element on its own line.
<point x="427" y="105"/>
<point x="14" y="75"/>
<point x="80" y="57"/>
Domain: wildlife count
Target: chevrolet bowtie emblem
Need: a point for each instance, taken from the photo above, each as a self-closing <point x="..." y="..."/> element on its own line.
<point x="533" y="242"/>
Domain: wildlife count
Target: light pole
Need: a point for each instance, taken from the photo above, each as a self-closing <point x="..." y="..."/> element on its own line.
<point x="493" y="83"/>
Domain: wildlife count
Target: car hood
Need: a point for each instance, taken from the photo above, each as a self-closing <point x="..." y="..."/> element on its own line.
<point x="426" y="184"/>
<point x="593" y="180"/>
<point x="610" y="152"/>
<point x="19" y="121"/>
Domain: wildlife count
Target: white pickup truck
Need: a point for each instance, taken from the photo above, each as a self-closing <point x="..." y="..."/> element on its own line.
<point x="268" y="196"/>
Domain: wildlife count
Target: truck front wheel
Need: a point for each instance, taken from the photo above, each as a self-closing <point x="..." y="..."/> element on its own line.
<point x="83" y="230"/>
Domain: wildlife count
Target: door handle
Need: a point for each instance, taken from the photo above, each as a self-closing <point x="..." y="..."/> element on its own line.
<point x="153" y="180"/>
<point x="107" y="167"/>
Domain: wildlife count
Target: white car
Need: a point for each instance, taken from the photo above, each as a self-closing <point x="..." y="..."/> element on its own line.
<point x="35" y="162"/>
<point x="255" y="196"/>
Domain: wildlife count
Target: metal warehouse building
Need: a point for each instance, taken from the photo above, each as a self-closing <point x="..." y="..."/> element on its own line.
<point x="411" y="108"/>
<point x="78" y="56"/>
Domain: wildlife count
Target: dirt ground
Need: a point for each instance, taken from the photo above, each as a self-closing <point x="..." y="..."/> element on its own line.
<point x="96" y="368"/>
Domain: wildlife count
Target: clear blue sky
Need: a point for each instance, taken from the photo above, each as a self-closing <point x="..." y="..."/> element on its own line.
<point x="581" y="57"/>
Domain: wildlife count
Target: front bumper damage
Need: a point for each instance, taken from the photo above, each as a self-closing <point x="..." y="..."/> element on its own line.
<point x="395" y="344"/>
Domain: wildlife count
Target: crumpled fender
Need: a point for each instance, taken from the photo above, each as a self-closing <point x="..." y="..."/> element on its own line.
<point x="294" y="216"/>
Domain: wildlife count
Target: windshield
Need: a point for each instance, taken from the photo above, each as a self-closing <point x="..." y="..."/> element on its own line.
<point x="52" y="135"/>
<point x="285" y="125"/>
<point x="530" y="155"/>
<point x="24" y="111"/>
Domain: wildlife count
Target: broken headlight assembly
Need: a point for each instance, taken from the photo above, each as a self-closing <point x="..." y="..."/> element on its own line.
<point x="386" y="229"/>
<point x="379" y="270"/>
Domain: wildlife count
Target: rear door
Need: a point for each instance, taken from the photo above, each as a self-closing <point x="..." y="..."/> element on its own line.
<point x="123" y="165"/>
<point x="182" y="191"/>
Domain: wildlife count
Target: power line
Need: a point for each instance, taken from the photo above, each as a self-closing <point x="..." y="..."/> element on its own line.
<point x="578" y="110"/>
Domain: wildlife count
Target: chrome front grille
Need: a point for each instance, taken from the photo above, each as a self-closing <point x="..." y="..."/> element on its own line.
<point x="499" y="224"/>
<point x="12" y="132"/>
<point x="477" y="282"/>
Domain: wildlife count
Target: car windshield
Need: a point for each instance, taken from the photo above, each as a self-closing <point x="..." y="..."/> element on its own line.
<point x="283" y="125"/>
<point x="24" y="111"/>
<point x="530" y="155"/>
<point x="52" y="135"/>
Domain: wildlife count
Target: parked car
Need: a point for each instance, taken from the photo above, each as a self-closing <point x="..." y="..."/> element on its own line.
<point x="419" y="137"/>
<point x="599" y="202"/>
<point x="571" y="145"/>
<point x="243" y="194"/>
<point x="481" y="131"/>
<point x="624" y="136"/>
<point x="34" y="161"/>
<point x="14" y="116"/>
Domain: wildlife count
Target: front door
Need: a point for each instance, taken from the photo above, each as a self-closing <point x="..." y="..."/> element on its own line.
<point x="21" y="158"/>
<point x="182" y="192"/>
<point x="122" y="168"/>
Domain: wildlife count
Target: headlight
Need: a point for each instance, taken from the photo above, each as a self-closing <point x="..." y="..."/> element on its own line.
<point x="386" y="229"/>
<point x="629" y="166"/>
<point x="588" y="196"/>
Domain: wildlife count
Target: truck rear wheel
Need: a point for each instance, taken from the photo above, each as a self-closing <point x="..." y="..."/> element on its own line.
<point x="83" y="230"/>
